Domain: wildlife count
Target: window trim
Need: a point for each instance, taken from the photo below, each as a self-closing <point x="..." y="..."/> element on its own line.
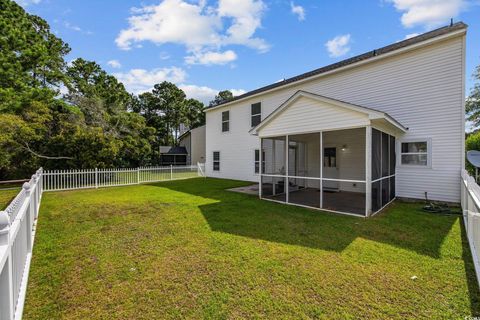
<point x="225" y="121"/>
<point x="219" y="161"/>
<point x="255" y="161"/>
<point x="413" y="140"/>
<point x="256" y="114"/>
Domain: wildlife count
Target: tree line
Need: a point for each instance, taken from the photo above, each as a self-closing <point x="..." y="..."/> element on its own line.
<point x="63" y="115"/>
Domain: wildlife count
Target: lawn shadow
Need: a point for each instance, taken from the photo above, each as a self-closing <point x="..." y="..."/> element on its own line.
<point x="472" y="282"/>
<point x="403" y="225"/>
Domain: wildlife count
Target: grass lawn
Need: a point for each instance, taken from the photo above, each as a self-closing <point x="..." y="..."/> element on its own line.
<point x="190" y="249"/>
<point x="6" y="196"/>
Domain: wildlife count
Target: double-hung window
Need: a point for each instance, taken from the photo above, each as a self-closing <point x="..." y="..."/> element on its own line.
<point x="225" y="121"/>
<point x="256" y="114"/>
<point x="415" y="153"/>
<point x="216" y="160"/>
<point x="257" y="161"/>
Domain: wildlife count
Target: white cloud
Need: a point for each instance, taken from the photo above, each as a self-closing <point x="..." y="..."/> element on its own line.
<point x="141" y="80"/>
<point x="114" y="64"/>
<point x="203" y="93"/>
<point x="195" y="25"/>
<point x="338" y="46"/>
<point x="164" y="55"/>
<point x="211" y="57"/>
<point x="25" y="3"/>
<point x="411" y="35"/>
<point x="428" y="13"/>
<point x="298" y="10"/>
<point x="76" y="28"/>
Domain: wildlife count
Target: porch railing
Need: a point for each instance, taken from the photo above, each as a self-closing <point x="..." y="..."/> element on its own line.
<point x="470" y="201"/>
<point x="17" y="232"/>
<point x="55" y="180"/>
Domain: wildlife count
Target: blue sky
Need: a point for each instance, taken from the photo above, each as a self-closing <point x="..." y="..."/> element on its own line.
<point x="205" y="46"/>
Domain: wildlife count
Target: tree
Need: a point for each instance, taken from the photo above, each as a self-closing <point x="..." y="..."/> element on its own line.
<point x="171" y="102"/>
<point x="86" y="79"/>
<point x="221" y="97"/>
<point x="194" y="113"/>
<point x="472" y="105"/>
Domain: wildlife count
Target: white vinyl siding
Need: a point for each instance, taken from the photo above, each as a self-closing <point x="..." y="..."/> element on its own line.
<point x="421" y="88"/>
<point x="308" y="115"/>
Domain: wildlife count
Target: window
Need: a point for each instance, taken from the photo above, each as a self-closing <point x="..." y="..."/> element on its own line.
<point x="216" y="160"/>
<point x="257" y="161"/>
<point x="415" y="153"/>
<point x="256" y="114"/>
<point x="225" y="121"/>
<point x="330" y="157"/>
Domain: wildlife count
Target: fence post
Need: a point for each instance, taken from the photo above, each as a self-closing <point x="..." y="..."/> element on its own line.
<point x="138" y="175"/>
<point x="7" y="309"/>
<point x="171" y="172"/>
<point x="96" y="178"/>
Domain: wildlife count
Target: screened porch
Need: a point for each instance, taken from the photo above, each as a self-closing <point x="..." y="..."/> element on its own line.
<point x="327" y="154"/>
<point x="327" y="170"/>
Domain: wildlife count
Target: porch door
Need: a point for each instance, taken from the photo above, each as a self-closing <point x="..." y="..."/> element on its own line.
<point x="330" y="168"/>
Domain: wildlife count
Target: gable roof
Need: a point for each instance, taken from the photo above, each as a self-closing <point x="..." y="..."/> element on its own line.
<point x="459" y="26"/>
<point x="372" y="113"/>
<point x="177" y="150"/>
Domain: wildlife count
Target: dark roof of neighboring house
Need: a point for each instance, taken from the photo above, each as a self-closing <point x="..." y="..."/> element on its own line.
<point x="177" y="150"/>
<point x="392" y="47"/>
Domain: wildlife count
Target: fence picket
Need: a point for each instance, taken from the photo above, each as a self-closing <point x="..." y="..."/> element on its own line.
<point x="17" y="231"/>
<point x="470" y="202"/>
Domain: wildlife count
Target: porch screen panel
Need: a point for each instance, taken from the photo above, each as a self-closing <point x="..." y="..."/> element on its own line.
<point x="392" y="188"/>
<point x="304" y="155"/>
<point x="393" y="161"/>
<point x="376" y="154"/>
<point x="383" y="169"/>
<point x="376" y="196"/>
<point x="273" y="188"/>
<point x="275" y="156"/>
<point x="304" y="192"/>
<point x="385" y="191"/>
<point x="385" y="155"/>
<point x="344" y="201"/>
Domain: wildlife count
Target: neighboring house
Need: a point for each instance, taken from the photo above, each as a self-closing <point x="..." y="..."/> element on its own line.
<point x="194" y="142"/>
<point x="388" y="123"/>
<point x="174" y="156"/>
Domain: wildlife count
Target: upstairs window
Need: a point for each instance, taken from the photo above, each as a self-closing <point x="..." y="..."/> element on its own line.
<point x="225" y="121"/>
<point x="415" y="153"/>
<point x="256" y="114"/>
<point x="216" y="160"/>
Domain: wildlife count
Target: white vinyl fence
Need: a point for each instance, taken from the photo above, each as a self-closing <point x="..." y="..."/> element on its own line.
<point x="55" y="180"/>
<point x="17" y="232"/>
<point x="18" y="220"/>
<point x="470" y="200"/>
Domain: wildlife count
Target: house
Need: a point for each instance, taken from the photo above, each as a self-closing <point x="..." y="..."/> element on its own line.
<point x="352" y="136"/>
<point x="194" y="142"/>
<point x="175" y="156"/>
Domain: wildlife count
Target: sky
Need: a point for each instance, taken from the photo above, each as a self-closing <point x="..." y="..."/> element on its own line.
<point x="205" y="46"/>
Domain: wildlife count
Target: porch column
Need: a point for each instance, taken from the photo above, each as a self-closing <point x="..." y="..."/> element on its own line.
<point x="273" y="165"/>
<point x="321" y="169"/>
<point x="260" y="170"/>
<point x="287" y="150"/>
<point x="368" y="170"/>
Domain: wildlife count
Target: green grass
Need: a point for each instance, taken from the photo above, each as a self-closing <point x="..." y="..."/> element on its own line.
<point x="6" y="196"/>
<point x="190" y="249"/>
